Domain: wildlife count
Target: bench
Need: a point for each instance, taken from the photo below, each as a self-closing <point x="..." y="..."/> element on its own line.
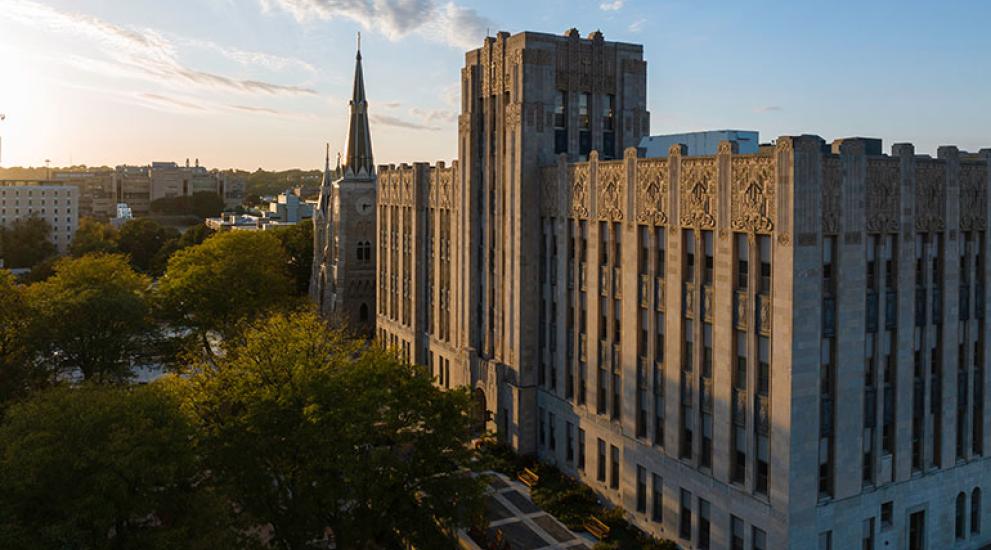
<point x="528" y="477"/>
<point x="596" y="528"/>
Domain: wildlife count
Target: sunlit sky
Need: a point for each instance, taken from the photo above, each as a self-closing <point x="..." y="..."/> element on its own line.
<point x="264" y="83"/>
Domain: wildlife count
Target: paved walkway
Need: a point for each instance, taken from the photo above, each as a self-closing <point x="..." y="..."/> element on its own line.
<point x="523" y="524"/>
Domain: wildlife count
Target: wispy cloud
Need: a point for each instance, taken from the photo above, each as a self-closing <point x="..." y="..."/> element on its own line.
<point x="615" y="5"/>
<point x="144" y="54"/>
<point x="396" y="122"/>
<point x="434" y="116"/>
<point x="638" y="25"/>
<point x="250" y="58"/>
<point x="171" y="101"/>
<point x="768" y="109"/>
<point x="449" y="23"/>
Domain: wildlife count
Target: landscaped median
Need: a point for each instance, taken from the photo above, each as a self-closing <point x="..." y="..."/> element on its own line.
<point x="573" y="503"/>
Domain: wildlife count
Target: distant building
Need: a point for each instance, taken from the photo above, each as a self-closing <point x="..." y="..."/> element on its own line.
<point x="169" y="180"/>
<point x="287" y="207"/>
<point x="132" y="185"/>
<point x="55" y="202"/>
<point x="123" y="215"/>
<point x="97" y="195"/>
<point x="699" y="144"/>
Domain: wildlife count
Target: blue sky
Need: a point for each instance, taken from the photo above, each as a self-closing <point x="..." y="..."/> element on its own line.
<point x="249" y="83"/>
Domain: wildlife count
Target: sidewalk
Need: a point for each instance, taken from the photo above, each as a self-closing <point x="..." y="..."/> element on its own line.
<point x="523" y="524"/>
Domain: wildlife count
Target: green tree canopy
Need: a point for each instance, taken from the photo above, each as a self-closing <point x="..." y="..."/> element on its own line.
<point x="26" y="242"/>
<point x="297" y="240"/>
<point x="91" y="315"/>
<point x="230" y="278"/>
<point x="94" y="236"/>
<point x="16" y="374"/>
<point x="104" y="467"/>
<point x="308" y="430"/>
<point x="142" y="239"/>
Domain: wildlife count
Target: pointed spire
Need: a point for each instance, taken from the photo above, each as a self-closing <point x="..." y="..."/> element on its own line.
<point x="358" y="161"/>
<point x="326" y="162"/>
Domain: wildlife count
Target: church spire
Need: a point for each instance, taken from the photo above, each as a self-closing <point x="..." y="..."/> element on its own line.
<point x="358" y="161"/>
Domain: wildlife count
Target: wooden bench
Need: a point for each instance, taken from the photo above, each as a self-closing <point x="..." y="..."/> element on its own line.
<point x="596" y="528"/>
<point x="528" y="477"/>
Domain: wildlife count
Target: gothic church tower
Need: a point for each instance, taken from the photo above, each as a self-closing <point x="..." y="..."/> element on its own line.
<point x="343" y="280"/>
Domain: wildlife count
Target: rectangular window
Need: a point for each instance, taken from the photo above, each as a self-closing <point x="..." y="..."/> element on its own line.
<point x="569" y="447"/>
<point x="759" y="538"/>
<point x="685" y="519"/>
<point x="584" y="126"/>
<point x="826" y="540"/>
<point x="641" y="489"/>
<point x="551" y="440"/>
<point x="581" y="449"/>
<point x="609" y="126"/>
<point x="661" y="251"/>
<point x="764" y="244"/>
<point x="709" y="259"/>
<point x="657" y="498"/>
<point x="601" y="470"/>
<point x="868" y="536"/>
<point x="614" y="474"/>
<point x="689" y="242"/>
<point x="736" y="533"/>
<point x="561" y="123"/>
<point x="742" y="261"/>
<point x="704" y="523"/>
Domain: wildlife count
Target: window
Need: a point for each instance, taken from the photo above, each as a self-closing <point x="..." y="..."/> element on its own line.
<point x="975" y="511"/>
<point x="561" y="123"/>
<point x="581" y="449"/>
<point x="551" y="440"/>
<point x="764" y="244"/>
<point x="601" y="471"/>
<point x="689" y="242"/>
<point x="742" y="261"/>
<point x="657" y="498"/>
<point x="736" y="533"/>
<point x="887" y="515"/>
<point x="542" y="428"/>
<point x="584" y="126"/>
<point x="614" y="477"/>
<point x="961" y="517"/>
<point x="569" y="447"/>
<point x="703" y="524"/>
<point x="641" y="489"/>
<point x="709" y="260"/>
<point x="609" y="126"/>
<point x="685" y="523"/>
<point x="759" y="539"/>
<point x="867" y="542"/>
<point x="826" y="540"/>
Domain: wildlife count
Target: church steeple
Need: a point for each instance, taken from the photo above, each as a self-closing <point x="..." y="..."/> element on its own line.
<point x="358" y="161"/>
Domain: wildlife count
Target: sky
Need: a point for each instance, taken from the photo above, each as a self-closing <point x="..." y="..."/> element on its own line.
<point x="265" y="83"/>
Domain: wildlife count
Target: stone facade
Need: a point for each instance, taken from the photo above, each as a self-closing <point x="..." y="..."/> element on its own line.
<point x="343" y="279"/>
<point x="784" y="349"/>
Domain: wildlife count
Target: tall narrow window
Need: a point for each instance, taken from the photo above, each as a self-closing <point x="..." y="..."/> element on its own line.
<point x="601" y="466"/>
<point x="561" y="123"/>
<point x="736" y="533"/>
<point x="704" y="524"/>
<point x="581" y="449"/>
<point x="657" y="498"/>
<point x="609" y="126"/>
<point x="975" y="511"/>
<point x="641" y="489"/>
<point x="614" y="474"/>
<point x="961" y="516"/>
<point x="584" y="125"/>
<point x="685" y="519"/>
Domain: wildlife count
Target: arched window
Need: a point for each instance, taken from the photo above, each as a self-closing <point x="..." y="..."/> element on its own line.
<point x="368" y="251"/>
<point x="961" y="515"/>
<point x="975" y="511"/>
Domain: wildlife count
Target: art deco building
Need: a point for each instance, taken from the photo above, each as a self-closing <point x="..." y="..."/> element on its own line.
<point x="780" y="349"/>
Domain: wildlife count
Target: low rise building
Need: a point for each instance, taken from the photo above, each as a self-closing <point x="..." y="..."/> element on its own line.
<point x="699" y="144"/>
<point x="97" y="195"/>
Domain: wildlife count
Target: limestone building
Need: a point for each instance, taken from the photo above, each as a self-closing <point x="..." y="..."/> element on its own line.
<point x="53" y="201"/>
<point x="343" y="279"/>
<point x="780" y="349"/>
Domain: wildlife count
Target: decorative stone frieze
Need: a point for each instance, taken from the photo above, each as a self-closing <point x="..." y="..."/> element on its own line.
<point x="973" y="197"/>
<point x="698" y="193"/>
<point x="652" y="192"/>
<point x="579" y="177"/>
<point x="882" y="196"/>
<point x="832" y="181"/>
<point x="930" y="196"/>
<point x="611" y="183"/>
<point x="752" y="199"/>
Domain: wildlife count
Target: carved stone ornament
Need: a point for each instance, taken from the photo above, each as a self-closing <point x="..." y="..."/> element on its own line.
<point x="407" y="187"/>
<point x="698" y="193"/>
<point x="652" y="192"/>
<point x="514" y="115"/>
<point x="832" y="179"/>
<point x="753" y="206"/>
<point x="930" y="196"/>
<point x="973" y="197"/>
<point x="611" y="184"/>
<point x="579" y="191"/>
<point x="882" y="196"/>
<point x="444" y="177"/>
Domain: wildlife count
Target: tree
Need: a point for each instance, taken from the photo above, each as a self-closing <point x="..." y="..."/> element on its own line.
<point x="325" y="433"/>
<point x="102" y="467"/>
<point x="297" y="240"/>
<point x="26" y="242"/>
<point x="16" y="372"/>
<point x="92" y="316"/>
<point x="230" y="278"/>
<point x="195" y="235"/>
<point x="141" y="239"/>
<point x="94" y="236"/>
